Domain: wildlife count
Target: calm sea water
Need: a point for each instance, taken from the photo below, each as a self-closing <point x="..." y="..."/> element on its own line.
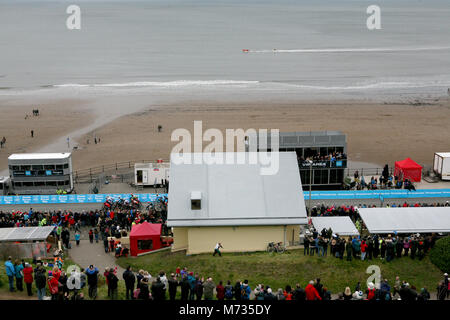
<point x="323" y="47"/>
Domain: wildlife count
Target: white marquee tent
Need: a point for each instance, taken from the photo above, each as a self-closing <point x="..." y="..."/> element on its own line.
<point x="342" y="226"/>
<point x="406" y="220"/>
<point x="25" y="233"/>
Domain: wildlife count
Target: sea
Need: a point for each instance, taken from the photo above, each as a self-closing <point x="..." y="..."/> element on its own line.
<point x="266" y="48"/>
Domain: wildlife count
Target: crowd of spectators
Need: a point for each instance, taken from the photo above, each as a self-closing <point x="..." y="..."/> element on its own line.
<point x="57" y="284"/>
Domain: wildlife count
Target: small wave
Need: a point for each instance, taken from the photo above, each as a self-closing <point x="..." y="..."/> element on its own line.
<point x="378" y="85"/>
<point x="343" y="50"/>
<point x="71" y="85"/>
<point x="177" y="83"/>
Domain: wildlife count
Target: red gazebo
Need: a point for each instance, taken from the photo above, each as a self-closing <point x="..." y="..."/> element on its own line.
<point x="145" y="237"/>
<point x="408" y="169"/>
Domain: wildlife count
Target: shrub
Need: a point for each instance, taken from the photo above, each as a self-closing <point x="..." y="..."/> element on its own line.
<point x="440" y="254"/>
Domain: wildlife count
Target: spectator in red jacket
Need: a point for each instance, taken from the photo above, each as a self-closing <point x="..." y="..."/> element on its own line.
<point x="53" y="285"/>
<point x="220" y="289"/>
<point x="311" y="292"/>
<point x="363" y="249"/>
<point x="28" y="278"/>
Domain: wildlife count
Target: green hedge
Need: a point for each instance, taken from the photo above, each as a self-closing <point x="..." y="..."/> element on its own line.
<point x="440" y="254"/>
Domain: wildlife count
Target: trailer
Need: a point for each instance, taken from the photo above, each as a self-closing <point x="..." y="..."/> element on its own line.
<point x="151" y="174"/>
<point x="441" y="165"/>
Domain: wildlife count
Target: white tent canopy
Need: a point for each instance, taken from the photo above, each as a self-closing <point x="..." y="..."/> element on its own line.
<point x="25" y="233"/>
<point x="406" y="220"/>
<point x="342" y="226"/>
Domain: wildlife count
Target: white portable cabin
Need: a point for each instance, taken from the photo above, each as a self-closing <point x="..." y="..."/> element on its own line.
<point x="151" y="174"/>
<point x="441" y="165"/>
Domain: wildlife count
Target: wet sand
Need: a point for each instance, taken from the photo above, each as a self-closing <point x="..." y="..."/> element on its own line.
<point x="377" y="132"/>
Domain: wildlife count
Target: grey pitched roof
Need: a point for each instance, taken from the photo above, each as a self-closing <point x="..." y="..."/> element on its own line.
<point x="406" y="220"/>
<point x="339" y="225"/>
<point x="25" y="233"/>
<point x="236" y="194"/>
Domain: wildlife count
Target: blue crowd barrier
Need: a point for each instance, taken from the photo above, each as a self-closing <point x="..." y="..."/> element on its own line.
<point x="150" y="197"/>
<point x="377" y="194"/>
<point x="76" y="198"/>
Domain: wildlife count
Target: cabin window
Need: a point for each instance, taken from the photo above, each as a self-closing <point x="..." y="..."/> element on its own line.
<point x="196" y="204"/>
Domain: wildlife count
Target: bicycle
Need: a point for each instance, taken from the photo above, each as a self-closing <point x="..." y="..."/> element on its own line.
<point x="276" y="247"/>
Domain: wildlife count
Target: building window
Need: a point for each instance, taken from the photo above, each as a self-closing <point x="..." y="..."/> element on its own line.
<point x="66" y="166"/>
<point x="49" y="167"/>
<point x="27" y="184"/>
<point x="196" y="204"/>
<point x="51" y="183"/>
<point x="145" y="244"/>
<point x="59" y="167"/>
<point x="38" y="167"/>
<point x="17" y="184"/>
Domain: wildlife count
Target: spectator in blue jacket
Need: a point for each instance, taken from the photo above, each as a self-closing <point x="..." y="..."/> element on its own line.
<point x="245" y="290"/>
<point x="18" y="267"/>
<point x="10" y="272"/>
<point x="192" y="283"/>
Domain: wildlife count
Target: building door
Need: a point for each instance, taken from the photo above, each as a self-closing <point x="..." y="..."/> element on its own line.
<point x="144" y="177"/>
<point x="139" y="176"/>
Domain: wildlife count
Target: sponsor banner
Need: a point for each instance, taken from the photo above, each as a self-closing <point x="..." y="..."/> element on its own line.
<point x="76" y="198"/>
<point x="151" y="197"/>
<point x="377" y="194"/>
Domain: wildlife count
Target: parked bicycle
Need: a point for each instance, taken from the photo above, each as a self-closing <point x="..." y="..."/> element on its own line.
<point x="276" y="247"/>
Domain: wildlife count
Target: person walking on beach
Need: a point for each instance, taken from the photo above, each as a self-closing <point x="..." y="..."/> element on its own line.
<point x="217" y="249"/>
<point x="32" y="133"/>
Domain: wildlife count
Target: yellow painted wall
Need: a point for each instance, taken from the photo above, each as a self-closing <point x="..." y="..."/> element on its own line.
<point x="235" y="239"/>
<point x="293" y="234"/>
<point x="180" y="239"/>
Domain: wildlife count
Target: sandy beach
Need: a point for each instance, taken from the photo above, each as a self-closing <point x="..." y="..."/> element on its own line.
<point x="56" y="120"/>
<point x="377" y="133"/>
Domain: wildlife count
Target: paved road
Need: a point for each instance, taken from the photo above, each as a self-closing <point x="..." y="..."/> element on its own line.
<point x="92" y="253"/>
